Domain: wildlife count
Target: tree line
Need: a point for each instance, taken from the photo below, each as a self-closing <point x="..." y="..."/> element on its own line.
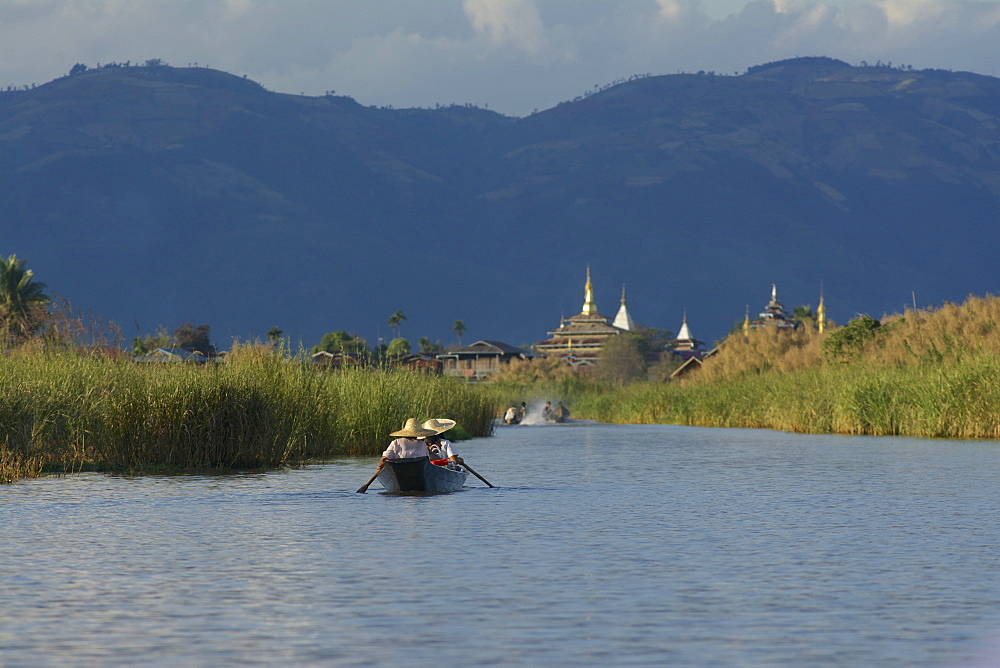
<point x="341" y="342"/>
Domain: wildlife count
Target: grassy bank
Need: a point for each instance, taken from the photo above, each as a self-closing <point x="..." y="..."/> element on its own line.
<point x="927" y="373"/>
<point x="960" y="401"/>
<point x="65" y="412"/>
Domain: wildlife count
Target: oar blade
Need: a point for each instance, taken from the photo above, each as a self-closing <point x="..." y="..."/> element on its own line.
<point x="364" y="487"/>
<point x="469" y="469"/>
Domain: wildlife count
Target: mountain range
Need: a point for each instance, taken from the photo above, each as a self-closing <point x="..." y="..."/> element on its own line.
<point x="153" y="196"/>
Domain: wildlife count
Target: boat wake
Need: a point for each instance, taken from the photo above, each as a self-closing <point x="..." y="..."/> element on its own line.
<point x="533" y="415"/>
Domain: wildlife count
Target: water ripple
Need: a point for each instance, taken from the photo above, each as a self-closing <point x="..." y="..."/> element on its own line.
<point x="605" y="545"/>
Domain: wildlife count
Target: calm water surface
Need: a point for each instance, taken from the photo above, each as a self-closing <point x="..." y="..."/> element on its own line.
<point x="601" y="545"/>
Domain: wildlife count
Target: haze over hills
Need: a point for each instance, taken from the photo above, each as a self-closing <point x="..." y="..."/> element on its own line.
<point x="156" y="195"/>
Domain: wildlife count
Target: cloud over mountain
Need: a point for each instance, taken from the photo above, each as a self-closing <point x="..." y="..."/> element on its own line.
<point x="514" y="55"/>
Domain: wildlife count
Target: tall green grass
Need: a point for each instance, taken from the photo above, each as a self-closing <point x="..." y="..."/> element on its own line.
<point x="955" y="401"/>
<point x="929" y="373"/>
<point x="66" y="412"/>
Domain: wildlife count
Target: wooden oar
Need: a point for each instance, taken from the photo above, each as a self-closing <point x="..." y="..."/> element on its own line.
<point x="364" y="487"/>
<point x="469" y="469"/>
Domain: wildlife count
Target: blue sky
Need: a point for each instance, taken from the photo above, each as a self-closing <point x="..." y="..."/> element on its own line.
<point x="513" y="56"/>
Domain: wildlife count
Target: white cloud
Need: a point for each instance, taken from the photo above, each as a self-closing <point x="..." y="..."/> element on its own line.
<point x="515" y="55"/>
<point x="903" y="13"/>
<point x="806" y="23"/>
<point x="670" y="9"/>
<point x="786" y="6"/>
<point x="507" y="22"/>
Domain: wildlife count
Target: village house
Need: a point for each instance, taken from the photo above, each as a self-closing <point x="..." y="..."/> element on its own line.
<point x="327" y="359"/>
<point x="692" y="364"/>
<point x="481" y="359"/>
<point x="171" y="355"/>
<point x="423" y="362"/>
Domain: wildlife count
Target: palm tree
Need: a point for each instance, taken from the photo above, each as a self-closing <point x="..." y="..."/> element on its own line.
<point x="22" y="300"/>
<point x="458" y="328"/>
<point x="395" y="320"/>
<point x="426" y="346"/>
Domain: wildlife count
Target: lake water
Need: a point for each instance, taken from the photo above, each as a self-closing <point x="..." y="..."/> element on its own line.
<point x="600" y="545"/>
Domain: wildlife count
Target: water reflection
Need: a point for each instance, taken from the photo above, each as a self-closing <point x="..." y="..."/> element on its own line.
<point x="600" y="544"/>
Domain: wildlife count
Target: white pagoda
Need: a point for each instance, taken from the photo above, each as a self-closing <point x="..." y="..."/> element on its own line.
<point x="623" y="320"/>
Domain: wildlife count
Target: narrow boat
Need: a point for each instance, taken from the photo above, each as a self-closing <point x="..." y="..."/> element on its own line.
<point x="417" y="474"/>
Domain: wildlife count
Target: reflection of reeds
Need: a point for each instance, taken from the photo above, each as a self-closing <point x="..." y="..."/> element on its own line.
<point x="70" y="412"/>
<point x="925" y="373"/>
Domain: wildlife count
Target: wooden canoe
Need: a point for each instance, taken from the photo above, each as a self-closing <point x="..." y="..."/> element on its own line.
<point x="417" y="474"/>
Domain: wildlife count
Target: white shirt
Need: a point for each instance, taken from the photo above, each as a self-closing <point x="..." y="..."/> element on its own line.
<point x="441" y="449"/>
<point x="404" y="448"/>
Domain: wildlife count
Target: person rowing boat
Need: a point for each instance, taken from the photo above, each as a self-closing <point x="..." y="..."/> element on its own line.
<point x="439" y="449"/>
<point x="408" y="444"/>
<point x="405" y="465"/>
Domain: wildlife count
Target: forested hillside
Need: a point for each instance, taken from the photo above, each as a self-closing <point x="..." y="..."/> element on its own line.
<point x="155" y="195"/>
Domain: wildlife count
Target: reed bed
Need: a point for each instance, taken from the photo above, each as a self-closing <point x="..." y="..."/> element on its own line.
<point x="960" y="401"/>
<point x="67" y="412"/>
<point x="927" y="373"/>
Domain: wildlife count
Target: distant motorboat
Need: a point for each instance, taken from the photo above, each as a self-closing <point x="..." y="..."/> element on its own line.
<point x="558" y="414"/>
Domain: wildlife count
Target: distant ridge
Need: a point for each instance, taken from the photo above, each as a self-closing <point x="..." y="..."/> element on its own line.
<point x="157" y="195"/>
<point x="815" y="64"/>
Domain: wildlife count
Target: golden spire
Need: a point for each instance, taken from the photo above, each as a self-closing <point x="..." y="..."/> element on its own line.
<point x="746" y="321"/>
<point x="821" y="312"/>
<point x="588" y="297"/>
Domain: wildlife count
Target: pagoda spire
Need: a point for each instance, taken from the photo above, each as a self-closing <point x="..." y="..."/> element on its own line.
<point x="623" y="320"/>
<point x="821" y="312"/>
<point x="588" y="297"/>
<point x="746" y="321"/>
<point x="685" y="333"/>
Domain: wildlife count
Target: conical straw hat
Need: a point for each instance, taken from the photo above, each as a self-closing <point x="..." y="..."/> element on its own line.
<point x="439" y="425"/>
<point x="412" y="429"/>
